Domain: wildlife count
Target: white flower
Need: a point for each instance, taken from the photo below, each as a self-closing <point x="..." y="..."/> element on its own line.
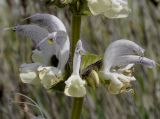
<point x="119" y="59"/>
<point x="28" y="72"/>
<point x="109" y="8"/>
<point x="75" y="86"/>
<point x="48" y="28"/>
<point x="45" y="30"/>
<point x="49" y="76"/>
<point x="57" y="32"/>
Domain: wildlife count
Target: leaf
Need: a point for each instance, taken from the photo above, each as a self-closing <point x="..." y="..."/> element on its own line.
<point x="89" y="59"/>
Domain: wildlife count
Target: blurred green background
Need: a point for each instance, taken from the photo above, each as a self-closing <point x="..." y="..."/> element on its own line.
<point x="142" y="27"/>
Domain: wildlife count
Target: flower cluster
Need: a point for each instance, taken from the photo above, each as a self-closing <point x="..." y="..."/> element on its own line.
<point x="50" y="39"/>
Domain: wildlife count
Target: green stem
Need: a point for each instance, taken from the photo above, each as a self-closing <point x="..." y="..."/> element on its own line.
<point x="77" y="108"/>
<point x="76" y="24"/>
<point x="77" y="102"/>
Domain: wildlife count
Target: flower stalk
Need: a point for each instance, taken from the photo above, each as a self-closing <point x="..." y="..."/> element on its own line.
<point x="77" y="108"/>
<point x="77" y="102"/>
<point x="76" y="24"/>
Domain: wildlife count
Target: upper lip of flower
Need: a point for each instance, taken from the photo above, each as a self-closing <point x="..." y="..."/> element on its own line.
<point x="43" y="19"/>
<point x="121" y="52"/>
<point x="120" y="56"/>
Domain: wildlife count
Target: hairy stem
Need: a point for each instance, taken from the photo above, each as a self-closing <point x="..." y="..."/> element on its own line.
<point x="77" y="102"/>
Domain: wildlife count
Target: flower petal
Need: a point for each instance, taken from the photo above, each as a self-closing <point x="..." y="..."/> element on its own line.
<point x="75" y="87"/>
<point x="115" y="88"/>
<point x="28" y="77"/>
<point x="28" y="72"/>
<point x="119" y="48"/>
<point x="50" y="22"/>
<point x="130" y="59"/>
<point x="38" y="57"/>
<point x="77" y="58"/>
<point x="49" y="76"/>
<point x="118" y="82"/>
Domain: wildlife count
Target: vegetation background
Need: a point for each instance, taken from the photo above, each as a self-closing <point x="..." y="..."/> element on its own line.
<point x="142" y="27"/>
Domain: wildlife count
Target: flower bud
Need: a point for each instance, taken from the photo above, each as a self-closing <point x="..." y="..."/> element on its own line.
<point x="93" y="79"/>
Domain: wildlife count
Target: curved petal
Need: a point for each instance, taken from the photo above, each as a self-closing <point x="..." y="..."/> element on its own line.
<point x="119" y="48"/>
<point x="34" y="32"/>
<point x="130" y="59"/>
<point x="48" y="21"/>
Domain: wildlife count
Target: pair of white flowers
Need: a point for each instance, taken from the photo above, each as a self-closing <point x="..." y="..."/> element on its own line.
<point x="50" y="38"/>
<point x="119" y="59"/>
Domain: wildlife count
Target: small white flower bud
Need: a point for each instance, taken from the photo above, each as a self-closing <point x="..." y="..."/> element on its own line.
<point x="93" y="79"/>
